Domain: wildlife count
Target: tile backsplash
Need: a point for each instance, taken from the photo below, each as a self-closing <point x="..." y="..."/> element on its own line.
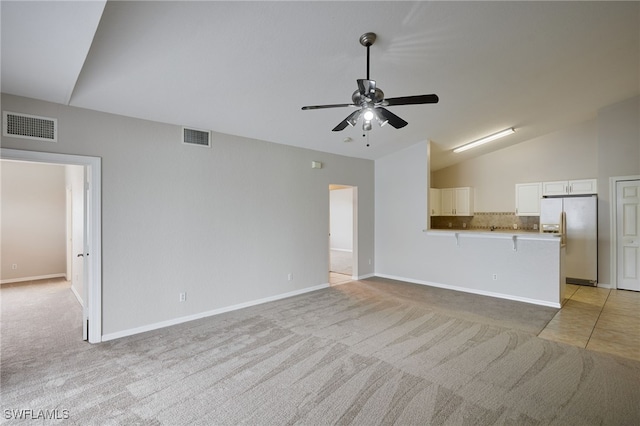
<point x="485" y="220"/>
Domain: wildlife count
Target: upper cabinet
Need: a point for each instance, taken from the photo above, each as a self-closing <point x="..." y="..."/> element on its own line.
<point x="570" y="187"/>
<point x="456" y="201"/>
<point x="528" y="199"/>
<point x="434" y="202"/>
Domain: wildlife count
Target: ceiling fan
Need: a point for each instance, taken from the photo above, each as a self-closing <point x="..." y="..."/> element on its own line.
<point x="370" y="100"/>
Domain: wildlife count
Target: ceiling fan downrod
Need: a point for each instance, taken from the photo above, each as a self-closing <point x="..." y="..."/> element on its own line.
<point x="367" y="39"/>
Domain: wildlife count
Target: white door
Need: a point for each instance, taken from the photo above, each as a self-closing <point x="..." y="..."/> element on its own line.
<point x="628" y="234"/>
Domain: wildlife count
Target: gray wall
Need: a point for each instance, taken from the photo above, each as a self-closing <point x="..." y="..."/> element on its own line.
<point x="33" y="221"/>
<point x="226" y="224"/>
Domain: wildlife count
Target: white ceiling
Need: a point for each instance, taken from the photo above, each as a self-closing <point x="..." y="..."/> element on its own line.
<point x="246" y="68"/>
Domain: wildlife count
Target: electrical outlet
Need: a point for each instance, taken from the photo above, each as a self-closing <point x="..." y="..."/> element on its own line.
<point x="14" y="266"/>
<point x="495" y="277"/>
<point x="183" y="297"/>
<point x="290" y="277"/>
<point x="369" y="261"/>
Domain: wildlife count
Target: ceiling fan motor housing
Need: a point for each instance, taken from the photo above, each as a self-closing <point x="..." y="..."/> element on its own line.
<point x="359" y="99"/>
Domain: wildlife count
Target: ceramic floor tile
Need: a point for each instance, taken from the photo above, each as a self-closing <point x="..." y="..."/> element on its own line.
<point x="632" y="314"/>
<point x="579" y="329"/>
<point x="570" y="289"/>
<point x="335" y="279"/>
<point x="616" y="331"/>
<point x="579" y="305"/>
<point x="589" y="296"/>
<point x="564" y="337"/>
<point x="623" y="323"/>
<point x="599" y="319"/>
<point x="614" y="342"/>
<point x="625" y="294"/>
<point x="578" y="313"/>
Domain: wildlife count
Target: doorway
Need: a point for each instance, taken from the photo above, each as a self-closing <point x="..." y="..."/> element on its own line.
<point x="626" y="234"/>
<point x="342" y="233"/>
<point x="91" y="254"/>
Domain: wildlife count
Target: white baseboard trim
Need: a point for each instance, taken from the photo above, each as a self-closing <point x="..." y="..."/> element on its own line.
<point x="605" y="285"/>
<point x="344" y="250"/>
<point x="175" y="321"/>
<point x="36" y="278"/>
<point x="75" y="293"/>
<point x="474" y="291"/>
<point x="363" y="277"/>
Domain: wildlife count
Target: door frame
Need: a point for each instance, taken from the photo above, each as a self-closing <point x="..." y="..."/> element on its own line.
<point x="613" y="221"/>
<point x="93" y="174"/>
<point x="354" y="235"/>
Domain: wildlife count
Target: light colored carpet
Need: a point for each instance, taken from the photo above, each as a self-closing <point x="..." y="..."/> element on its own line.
<point x="366" y="353"/>
<point x="341" y="262"/>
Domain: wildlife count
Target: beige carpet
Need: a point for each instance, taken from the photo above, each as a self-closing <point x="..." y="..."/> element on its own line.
<point x="365" y="353"/>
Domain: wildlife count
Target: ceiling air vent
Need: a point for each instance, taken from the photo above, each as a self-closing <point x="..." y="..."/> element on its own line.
<point x="196" y="137"/>
<point x="27" y="126"/>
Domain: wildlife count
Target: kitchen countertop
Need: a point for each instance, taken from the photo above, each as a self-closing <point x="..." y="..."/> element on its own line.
<point x="498" y="233"/>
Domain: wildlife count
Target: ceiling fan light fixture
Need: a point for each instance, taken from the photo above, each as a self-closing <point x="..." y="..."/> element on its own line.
<point x="485" y="139"/>
<point x="366" y="125"/>
<point x="381" y="120"/>
<point x="368" y="115"/>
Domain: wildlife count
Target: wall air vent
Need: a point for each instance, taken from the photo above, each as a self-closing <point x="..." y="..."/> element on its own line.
<point x="196" y="137"/>
<point x="27" y="126"/>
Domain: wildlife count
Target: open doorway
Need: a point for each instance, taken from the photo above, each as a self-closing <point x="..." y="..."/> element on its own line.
<point x="85" y="220"/>
<point x="342" y="233"/>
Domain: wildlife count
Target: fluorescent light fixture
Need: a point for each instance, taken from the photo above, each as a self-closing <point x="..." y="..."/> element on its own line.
<point x="485" y="140"/>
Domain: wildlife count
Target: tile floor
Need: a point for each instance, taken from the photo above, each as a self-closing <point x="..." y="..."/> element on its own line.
<point x="598" y="319"/>
<point x="336" y="278"/>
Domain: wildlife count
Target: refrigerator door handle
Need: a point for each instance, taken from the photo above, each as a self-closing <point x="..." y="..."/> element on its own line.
<point x="563" y="228"/>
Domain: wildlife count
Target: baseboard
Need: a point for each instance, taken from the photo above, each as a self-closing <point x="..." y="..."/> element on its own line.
<point x="75" y="293"/>
<point x="474" y="291"/>
<point x="344" y="250"/>
<point x="605" y="285"/>
<point x="363" y="277"/>
<point x="176" y="321"/>
<point x="36" y="278"/>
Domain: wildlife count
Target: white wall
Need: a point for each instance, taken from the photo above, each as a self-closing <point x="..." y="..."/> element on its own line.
<point x="570" y="153"/>
<point x="405" y="252"/>
<point x="225" y="224"/>
<point x="341" y="214"/>
<point x="33" y="221"/>
<point x="601" y="148"/>
<point x="618" y="155"/>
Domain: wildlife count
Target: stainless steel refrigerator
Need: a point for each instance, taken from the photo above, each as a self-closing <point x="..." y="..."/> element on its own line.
<point x="576" y="219"/>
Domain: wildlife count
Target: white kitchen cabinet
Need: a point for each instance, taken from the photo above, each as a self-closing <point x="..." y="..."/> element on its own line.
<point x="456" y="201"/>
<point x="528" y="199"/>
<point x="435" y="202"/>
<point x="570" y="187"/>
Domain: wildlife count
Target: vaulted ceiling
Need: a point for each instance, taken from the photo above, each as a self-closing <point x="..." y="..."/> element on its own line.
<point x="246" y="68"/>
